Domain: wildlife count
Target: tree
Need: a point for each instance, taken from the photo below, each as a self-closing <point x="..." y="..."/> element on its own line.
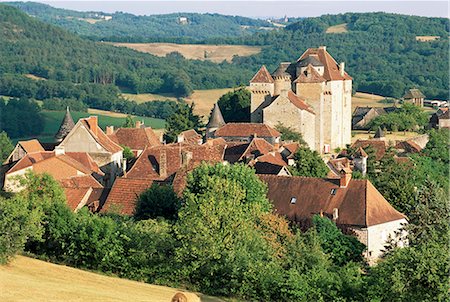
<point x="129" y="122"/>
<point x="182" y="119"/>
<point x="127" y="153"/>
<point x="235" y="105"/>
<point x="308" y="163"/>
<point x="157" y="201"/>
<point x="437" y="147"/>
<point x="289" y="134"/>
<point x="6" y="146"/>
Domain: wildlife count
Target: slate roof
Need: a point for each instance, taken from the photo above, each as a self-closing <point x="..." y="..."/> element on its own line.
<point x="216" y="118"/>
<point x="359" y="204"/>
<point x="312" y="60"/>
<point x="331" y="68"/>
<point x="284" y="69"/>
<point x="246" y="130"/>
<point x="66" y="126"/>
<point x="262" y="76"/>
<point x="379" y="133"/>
<point x="413" y="94"/>
<point x="135" y="138"/>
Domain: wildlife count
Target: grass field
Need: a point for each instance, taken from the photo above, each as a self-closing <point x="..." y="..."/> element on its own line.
<point x="362" y="99"/>
<point x="337" y="29"/>
<point x="389" y="137"/>
<point x="27" y="279"/>
<point x="148" y="97"/>
<point x="214" y="53"/>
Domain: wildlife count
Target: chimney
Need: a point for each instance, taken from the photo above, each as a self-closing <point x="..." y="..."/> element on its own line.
<point x="59" y="150"/>
<point x="93" y="124"/>
<point x="138" y="124"/>
<point x="180" y="138"/>
<point x="335" y="214"/>
<point x="163" y="163"/>
<point x="109" y="130"/>
<point x="323" y="47"/>
<point x="346" y="176"/>
<point x="124" y="167"/>
<point x="186" y="157"/>
<point x="342" y="68"/>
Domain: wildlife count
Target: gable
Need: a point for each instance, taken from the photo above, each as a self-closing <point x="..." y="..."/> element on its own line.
<point x="81" y="140"/>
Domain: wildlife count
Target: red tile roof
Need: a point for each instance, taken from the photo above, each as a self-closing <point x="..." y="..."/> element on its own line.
<point x="257" y="147"/>
<point x="86" y="160"/>
<point x="292" y="148"/>
<point x="378" y="145"/>
<point x="310" y="75"/>
<point x="274" y="158"/>
<point x="135" y="138"/>
<point x="101" y="138"/>
<point x="262" y="76"/>
<point x="77" y="197"/>
<point x="359" y="204"/>
<point x="31" y="146"/>
<point x="191" y="137"/>
<point x="408" y="146"/>
<point x="80" y="182"/>
<point x="298" y="102"/>
<point x="246" y="130"/>
<point x="124" y="195"/>
<point x="331" y="68"/>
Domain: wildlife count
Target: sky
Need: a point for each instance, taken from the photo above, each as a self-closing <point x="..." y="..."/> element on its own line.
<point x="259" y="9"/>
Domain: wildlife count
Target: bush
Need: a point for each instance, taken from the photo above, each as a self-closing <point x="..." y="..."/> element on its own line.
<point x="157" y="201"/>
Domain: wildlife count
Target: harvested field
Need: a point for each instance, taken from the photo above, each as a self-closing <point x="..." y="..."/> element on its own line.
<point x="27" y="279"/>
<point x="362" y="99"/>
<point x="337" y="29"/>
<point x="205" y="99"/>
<point x="148" y="97"/>
<point x="427" y="38"/>
<point x="390" y="137"/>
<point x="214" y="53"/>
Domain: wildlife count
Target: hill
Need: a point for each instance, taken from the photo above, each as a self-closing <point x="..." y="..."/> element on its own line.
<point x="27" y="279"/>
<point x="124" y="27"/>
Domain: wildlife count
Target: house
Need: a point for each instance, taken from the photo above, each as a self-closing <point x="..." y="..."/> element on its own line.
<point x="82" y="191"/>
<point x="245" y="132"/>
<point x="440" y="119"/>
<point x="137" y="139"/>
<point x="288" y="152"/>
<point x="317" y="102"/>
<point x="362" y="116"/>
<point x="23" y="148"/>
<point x="87" y="136"/>
<point x="271" y="163"/>
<point x="351" y="203"/>
<point x="190" y="137"/>
<point x="414" y="96"/>
<point x="379" y="146"/>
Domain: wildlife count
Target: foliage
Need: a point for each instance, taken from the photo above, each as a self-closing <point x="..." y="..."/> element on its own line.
<point x="129" y="122"/>
<point x="289" y="134"/>
<point x="407" y="118"/>
<point x="182" y="119"/>
<point x="127" y="153"/>
<point x="6" y="146"/>
<point x="437" y="147"/>
<point x="59" y="104"/>
<point x="20" y="117"/>
<point x="341" y="248"/>
<point x="157" y="201"/>
<point x="235" y="105"/>
<point x="308" y="163"/>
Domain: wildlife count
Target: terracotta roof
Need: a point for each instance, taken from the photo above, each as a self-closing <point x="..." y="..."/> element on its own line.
<point x="292" y="148"/>
<point x="66" y="126"/>
<point x="262" y="76"/>
<point x="31" y="146"/>
<point x="413" y="94"/>
<point x="378" y="146"/>
<point x="101" y="138"/>
<point x="336" y="165"/>
<point x="298" y="102"/>
<point x="77" y="197"/>
<point x="257" y="147"/>
<point x="331" y="68"/>
<point x="359" y="204"/>
<point x="215" y="118"/>
<point x="274" y="158"/>
<point x="86" y="160"/>
<point x="408" y="146"/>
<point x="29" y="159"/>
<point x="310" y="75"/>
<point x="80" y="190"/>
<point x="124" y="194"/>
<point x="246" y="130"/>
<point x="191" y="137"/>
<point x="135" y="138"/>
<point x="216" y="141"/>
<point x="87" y="181"/>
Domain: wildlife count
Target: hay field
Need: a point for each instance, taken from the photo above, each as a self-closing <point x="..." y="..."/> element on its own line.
<point x="362" y="99"/>
<point x="205" y="99"/>
<point x="390" y="137"/>
<point x="214" y="53"/>
<point x="148" y="97"/>
<point x="427" y="38"/>
<point x="337" y="29"/>
<point x="27" y="279"/>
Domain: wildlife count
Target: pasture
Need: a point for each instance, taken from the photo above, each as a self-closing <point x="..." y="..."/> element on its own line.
<point x="27" y="279"/>
<point x="337" y="29"/>
<point x="214" y="53"/>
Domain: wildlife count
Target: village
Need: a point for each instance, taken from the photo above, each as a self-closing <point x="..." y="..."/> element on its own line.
<point x="311" y="96"/>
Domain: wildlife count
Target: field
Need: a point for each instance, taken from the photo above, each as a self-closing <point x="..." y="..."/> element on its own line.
<point x="148" y="97"/>
<point x="427" y="38"/>
<point x="214" y="53"/>
<point x="27" y="279"/>
<point x="362" y="99"/>
<point x="390" y="137"/>
<point x="337" y="29"/>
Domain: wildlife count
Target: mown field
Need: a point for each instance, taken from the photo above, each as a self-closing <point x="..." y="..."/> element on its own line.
<point x="27" y="279"/>
<point x="214" y="53"/>
<point x="337" y="29"/>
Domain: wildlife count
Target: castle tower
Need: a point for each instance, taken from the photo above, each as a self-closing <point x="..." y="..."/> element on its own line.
<point x="360" y="161"/>
<point x="215" y="121"/>
<point x="282" y="78"/>
<point x="66" y="126"/>
<point x="262" y="90"/>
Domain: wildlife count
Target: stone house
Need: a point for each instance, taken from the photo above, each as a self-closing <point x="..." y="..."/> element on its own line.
<point x="350" y="203"/>
<point x="362" y="116"/>
<point x="414" y="96"/>
<point x="440" y="119"/>
<point x="23" y="148"/>
<point x="320" y="83"/>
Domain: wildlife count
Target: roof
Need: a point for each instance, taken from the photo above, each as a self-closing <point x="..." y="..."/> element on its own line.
<point x="234" y="151"/>
<point x="359" y="204"/>
<point x="336" y="165"/>
<point x="77" y="196"/>
<point x="257" y="147"/>
<point x="66" y="126"/>
<point x="331" y="68"/>
<point x="444" y="116"/>
<point x="312" y="60"/>
<point x="267" y="168"/>
<point x="246" y="130"/>
<point x="413" y="94"/>
<point x="284" y="69"/>
<point x="298" y="102"/>
<point x="216" y="118"/>
<point x="135" y="138"/>
<point x="80" y="190"/>
<point x="87" y="181"/>
<point x="31" y="146"/>
<point x="408" y="146"/>
<point x="292" y="148"/>
<point x="191" y="137"/>
<point x="310" y="75"/>
<point x="86" y="160"/>
<point x="124" y="194"/>
<point x="273" y="158"/>
<point x="101" y="138"/>
<point x="377" y="145"/>
<point x="360" y="153"/>
<point x="262" y="76"/>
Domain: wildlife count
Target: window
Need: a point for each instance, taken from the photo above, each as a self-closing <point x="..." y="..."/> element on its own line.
<point x="333" y="191"/>
<point x="293" y="200"/>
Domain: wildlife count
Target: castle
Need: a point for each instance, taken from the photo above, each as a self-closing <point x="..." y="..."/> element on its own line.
<point x="311" y="95"/>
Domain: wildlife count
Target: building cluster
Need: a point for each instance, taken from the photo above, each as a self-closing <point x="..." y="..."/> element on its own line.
<point x="311" y="95"/>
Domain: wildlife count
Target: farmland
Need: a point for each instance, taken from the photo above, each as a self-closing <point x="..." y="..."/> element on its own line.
<point x="214" y="53"/>
<point x="26" y="279"/>
<point x="337" y="29"/>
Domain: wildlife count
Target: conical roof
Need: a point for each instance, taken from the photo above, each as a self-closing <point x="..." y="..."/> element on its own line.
<point x="66" y="126"/>
<point x="215" y="119"/>
<point x="379" y="133"/>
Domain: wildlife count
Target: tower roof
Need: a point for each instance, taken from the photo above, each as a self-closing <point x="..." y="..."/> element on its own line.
<point x="312" y="59"/>
<point x="262" y="76"/>
<point x="413" y="93"/>
<point x="332" y="71"/>
<point x="379" y="133"/>
<point x="67" y="125"/>
<point x="285" y="69"/>
<point x="216" y="119"/>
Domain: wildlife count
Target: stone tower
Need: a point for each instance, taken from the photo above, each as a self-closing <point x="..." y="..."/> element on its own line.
<point x="360" y="161"/>
<point x="66" y="126"/>
<point x="262" y="88"/>
<point x="215" y="121"/>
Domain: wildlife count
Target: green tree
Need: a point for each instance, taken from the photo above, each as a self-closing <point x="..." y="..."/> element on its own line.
<point x="308" y="163"/>
<point x="127" y="153"/>
<point x="129" y="122"/>
<point x="183" y="119"/>
<point x="6" y="146"/>
<point x="235" y="105"/>
<point x="289" y="134"/>
<point x="157" y="201"/>
<point x="437" y="147"/>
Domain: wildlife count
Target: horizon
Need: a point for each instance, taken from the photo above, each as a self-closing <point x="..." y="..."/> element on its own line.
<point x="258" y="9"/>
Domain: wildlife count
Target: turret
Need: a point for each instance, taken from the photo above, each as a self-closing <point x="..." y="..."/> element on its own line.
<point x="360" y="160"/>
<point x="215" y="121"/>
<point x="66" y="126"/>
<point x="262" y="90"/>
<point x="282" y="78"/>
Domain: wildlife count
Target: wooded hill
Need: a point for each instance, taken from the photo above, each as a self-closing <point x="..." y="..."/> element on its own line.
<point x="124" y="27"/>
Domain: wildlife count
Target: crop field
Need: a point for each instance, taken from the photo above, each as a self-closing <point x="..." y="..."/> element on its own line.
<point x="214" y="53"/>
<point x="362" y="99"/>
<point x="337" y="29"/>
<point x="27" y="279"/>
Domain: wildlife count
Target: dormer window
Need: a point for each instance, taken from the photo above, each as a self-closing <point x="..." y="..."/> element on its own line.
<point x="333" y="191"/>
<point x="293" y="200"/>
